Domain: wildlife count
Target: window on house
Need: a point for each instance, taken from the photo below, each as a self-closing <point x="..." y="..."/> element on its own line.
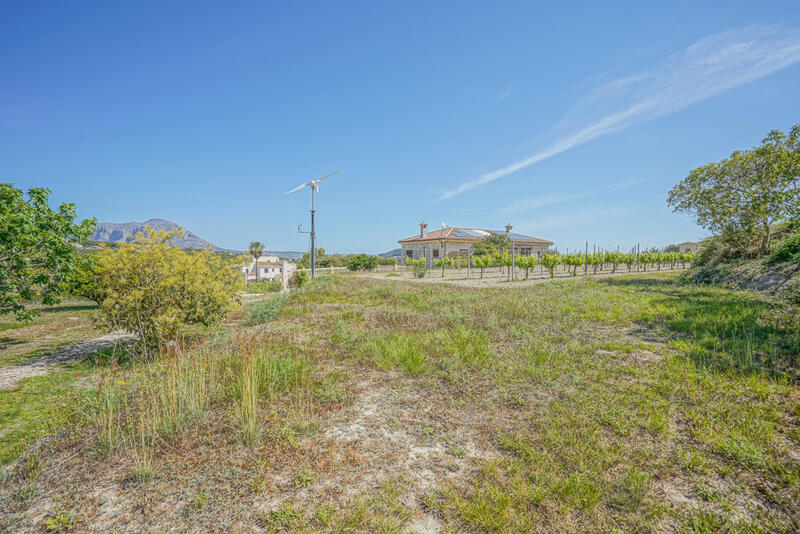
<point x="410" y="253"/>
<point x="436" y="253"/>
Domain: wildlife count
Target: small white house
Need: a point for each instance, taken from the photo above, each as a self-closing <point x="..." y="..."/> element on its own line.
<point x="269" y="268"/>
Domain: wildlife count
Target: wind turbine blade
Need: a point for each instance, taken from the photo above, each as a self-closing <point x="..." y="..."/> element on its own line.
<point x="298" y="188"/>
<point x="326" y="177"/>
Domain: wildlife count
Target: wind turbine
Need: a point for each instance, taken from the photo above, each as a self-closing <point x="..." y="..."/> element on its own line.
<point x="314" y="185"/>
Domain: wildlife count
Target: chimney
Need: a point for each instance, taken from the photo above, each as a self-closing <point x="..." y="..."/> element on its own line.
<point x="423" y="229"/>
<point x="508" y="228"/>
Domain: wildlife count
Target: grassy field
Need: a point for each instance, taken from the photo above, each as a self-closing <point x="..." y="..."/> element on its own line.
<point x="627" y="404"/>
<point x="35" y="408"/>
<point x="55" y="327"/>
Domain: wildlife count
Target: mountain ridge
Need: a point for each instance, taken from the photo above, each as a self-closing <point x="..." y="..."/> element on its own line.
<point x="110" y="232"/>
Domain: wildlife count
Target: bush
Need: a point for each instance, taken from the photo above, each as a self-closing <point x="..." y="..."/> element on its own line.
<point x="418" y="266"/>
<point x="362" y="262"/>
<point x="153" y="289"/>
<point x="263" y="286"/>
<point x="300" y="278"/>
<point x="787" y="249"/>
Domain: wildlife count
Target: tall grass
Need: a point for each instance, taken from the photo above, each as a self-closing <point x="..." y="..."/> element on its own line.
<point x="152" y="404"/>
<point x="249" y="428"/>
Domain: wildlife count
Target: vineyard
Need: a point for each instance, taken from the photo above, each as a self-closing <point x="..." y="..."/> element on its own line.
<point x="503" y="266"/>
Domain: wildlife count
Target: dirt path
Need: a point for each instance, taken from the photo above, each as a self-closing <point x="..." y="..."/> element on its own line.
<point x="10" y="376"/>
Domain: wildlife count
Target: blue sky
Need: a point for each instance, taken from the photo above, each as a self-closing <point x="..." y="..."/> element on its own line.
<point x="570" y="120"/>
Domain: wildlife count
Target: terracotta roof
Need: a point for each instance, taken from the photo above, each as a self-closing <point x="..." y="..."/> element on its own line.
<point x="470" y="235"/>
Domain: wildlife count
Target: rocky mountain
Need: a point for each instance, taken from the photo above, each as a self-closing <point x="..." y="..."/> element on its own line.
<point x="123" y="232"/>
<point x="120" y="232"/>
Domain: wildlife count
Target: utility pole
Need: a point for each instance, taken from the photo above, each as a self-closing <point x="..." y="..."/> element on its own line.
<point x="313" y="234"/>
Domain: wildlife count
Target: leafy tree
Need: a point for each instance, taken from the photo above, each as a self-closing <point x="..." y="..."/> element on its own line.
<point x="362" y="262"/>
<point x="37" y="256"/>
<point x="741" y="196"/>
<point x="320" y="257"/>
<point x="256" y="250"/>
<point x="153" y="289"/>
<point x="492" y="244"/>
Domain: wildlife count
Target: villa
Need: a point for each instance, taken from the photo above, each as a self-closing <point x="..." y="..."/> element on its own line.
<point x="269" y="268"/>
<point x="458" y="241"/>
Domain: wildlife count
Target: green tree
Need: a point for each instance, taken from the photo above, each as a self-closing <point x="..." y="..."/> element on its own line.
<point x="37" y="256"/>
<point x="362" y="262"/>
<point x="491" y="244"/>
<point x="741" y="196"/>
<point x="256" y="250"/>
<point x="321" y="259"/>
<point x="153" y="289"/>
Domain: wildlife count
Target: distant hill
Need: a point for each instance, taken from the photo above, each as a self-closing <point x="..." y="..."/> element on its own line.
<point x="123" y="232"/>
<point x="392" y="253"/>
<point x="107" y="232"/>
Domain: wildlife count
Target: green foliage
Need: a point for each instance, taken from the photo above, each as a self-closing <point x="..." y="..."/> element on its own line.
<point x="383" y="260"/>
<point x="741" y="196"/>
<point x="550" y="261"/>
<point x="300" y="278"/>
<point x="491" y="244"/>
<point x="443" y="262"/>
<point x="418" y="266"/>
<point x="263" y="286"/>
<point x="483" y="262"/>
<point x="265" y="310"/>
<point x="154" y="289"/>
<point x="788" y="248"/>
<point x="362" y="262"/>
<point x="36" y="253"/>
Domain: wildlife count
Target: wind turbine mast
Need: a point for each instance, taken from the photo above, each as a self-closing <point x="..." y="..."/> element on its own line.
<point x="314" y="185"/>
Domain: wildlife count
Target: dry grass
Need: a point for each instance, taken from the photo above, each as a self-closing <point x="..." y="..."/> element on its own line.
<point x="630" y="404"/>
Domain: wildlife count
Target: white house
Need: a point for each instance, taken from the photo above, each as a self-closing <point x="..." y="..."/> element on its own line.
<point x="691" y="246"/>
<point x="457" y="241"/>
<point x="269" y="268"/>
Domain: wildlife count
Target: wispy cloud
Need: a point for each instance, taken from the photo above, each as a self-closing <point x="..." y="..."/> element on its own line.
<point x="706" y="69"/>
<point x="505" y="94"/>
<point x="537" y="202"/>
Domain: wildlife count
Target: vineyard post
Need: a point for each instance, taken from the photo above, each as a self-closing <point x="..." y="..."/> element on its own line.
<point x="513" y="273"/>
<point x="586" y="259"/>
<point x="469" y="260"/>
<point x="637" y="257"/>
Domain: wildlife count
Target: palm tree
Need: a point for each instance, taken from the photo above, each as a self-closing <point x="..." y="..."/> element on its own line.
<point x="256" y="249"/>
